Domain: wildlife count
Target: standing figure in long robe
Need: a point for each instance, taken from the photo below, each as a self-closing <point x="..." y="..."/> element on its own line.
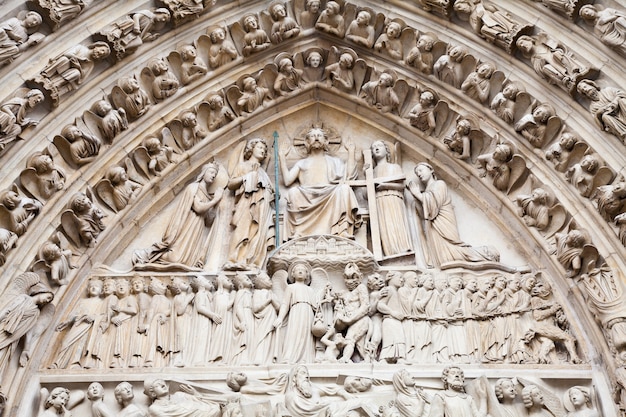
<point x="253" y="232"/>
<point x="224" y="297"/>
<point x="442" y="234"/>
<point x="265" y="306"/>
<point x="204" y="318"/>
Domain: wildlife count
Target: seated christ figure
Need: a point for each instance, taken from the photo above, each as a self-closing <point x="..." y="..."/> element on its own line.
<point x="321" y="203"/>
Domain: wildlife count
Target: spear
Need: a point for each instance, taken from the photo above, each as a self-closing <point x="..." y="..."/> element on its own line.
<point x="276" y="192"/>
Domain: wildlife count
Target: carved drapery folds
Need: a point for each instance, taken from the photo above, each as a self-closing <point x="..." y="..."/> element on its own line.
<point x="414" y="100"/>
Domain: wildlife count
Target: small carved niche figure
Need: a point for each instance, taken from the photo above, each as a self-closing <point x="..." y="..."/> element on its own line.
<point x="186" y="402"/>
<point x="453" y="400"/>
<point x="465" y="138"/>
<point x="153" y="156"/>
<point x="222" y="50"/>
<point x="539" y="126"/>
<point x="310" y="14"/>
<point x="423" y="115"/>
<point x="578" y="403"/>
<point x="506" y="102"/>
<point x="27" y="308"/>
<point x="284" y="27"/>
<point x="608" y="24"/>
<point x="331" y="21"/>
<point x="59" y="12"/>
<point x="130" y="32"/>
<point x="361" y="31"/>
<point x="106" y="120"/>
<point x="77" y="146"/>
<point x="13" y="113"/>
<point x="534" y="209"/>
<point x="449" y="67"/>
<point x="129" y="95"/>
<point x="252" y="96"/>
<point x="59" y="401"/>
<point x="611" y="200"/>
<point x="95" y="394"/>
<point x="16" y="35"/>
<point x="116" y="190"/>
<point x="506" y="393"/>
<point x="8" y="240"/>
<point x="54" y="260"/>
<point x="568" y="148"/>
<point x="219" y="113"/>
<point x="478" y="83"/>
<point x="569" y="250"/>
<point x="163" y="83"/>
<point x="191" y="66"/>
<point x="442" y="7"/>
<point x="503" y="166"/>
<point x="17" y="212"/>
<point x="314" y="65"/>
<point x="421" y="55"/>
<point x="608" y="107"/>
<point x="588" y="174"/>
<point x="390" y="42"/>
<point x="341" y="74"/>
<point x="490" y="23"/>
<point x="288" y="78"/>
<point x="186" y="10"/>
<point x="82" y="221"/>
<point x="186" y="130"/>
<point x="390" y="306"/>
<point x="67" y="72"/>
<point x="539" y="402"/>
<point x="41" y="178"/>
<point x="553" y="61"/>
<point x="124" y="396"/>
<point x="381" y="93"/>
<point x="255" y="39"/>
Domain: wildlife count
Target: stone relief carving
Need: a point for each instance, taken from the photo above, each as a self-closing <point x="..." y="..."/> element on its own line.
<point x="68" y="71"/>
<point x="454" y="399"/>
<point x="492" y="24"/>
<point x="95" y="394"/>
<point x="608" y="24"/>
<point x="567" y="150"/>
<point x="54" y="260"/>
<point x="361" y="31"/>
<point x="466" y="139"/>
<point x="116" y="190"/>
<point x="186" y="236"/>
<point x="312" y="64"/>
<point x="540" y="126"/>
<point x="17" y="34"/>
<point x="162" y="82"/>
<point x="247" y="95"/>
<point x="105" y="121"/>
<point x="26" y="314"/>
<point x="611" y="200"/>
<point x="454" y="66"/>
<point x="153" y="156"/>
<point x="219" y="114"/>
<point x="577" y="401"/>
<point x="510" y="102"/>
<point x="307" y="12"/>
<point x="421" y="55"/>
<point x="82" y="220"/>
<point x="390" y="42"/>
<point x="8" y="241"/>
<point x="506" y="168"/>
<point x="347" y="72"/>
<point x="429" y="113"/>
<point x="59" y="401"/>
<point x="321" y="203"/>
<point x="221" y="49"/>
<point x="41" y="178"/>
<point x="588" y="174"/>
<point x="540" y="211"/>
<point x="127" y="34"/>
<point x="381" y="93"/>
<point x="253" y="229"/>
<point x="569" y="8"/>
<point x="284" y="27"/>
<point x="185" y="10"/>
<point x="187" y="401"/>
<point x="444" y="244"/>
<point x="331" y="20"/>
<point x="188" y="65"/>
<point x="58" y="12"/>
<point x="477" y="85"/>
<point x="17" y="212"/>
<point x="77" y="145"/>
<point x="607" y="107"/>
<point x="186" y="130"/>
<point x="129" y="96"/>
<point x="288" y="78"/>
<point x="554" y="61"/>
<point x="124" y="395"/>
<point x="13" y="114"/>
<point x="255" y="38"/>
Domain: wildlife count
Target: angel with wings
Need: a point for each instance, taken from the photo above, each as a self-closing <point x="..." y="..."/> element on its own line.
<point x="162" y="82"/>
<point x="42" y="178"/>
<point x="331" y="21"/>
<point x="477" y="85"/>
<point x="390" y="42"/>
<point x="284" y="27"/>
<point x="588" y="174"/>
<point x="504" y="166"/>
<point x="190" y="65"/>
<point x="186" y="130"/>
<point x="381" y="93"/>
<point x="129" y="95"/>
<point x="467" y="137"/>
<point x="509" y="101"/>
<point x="567" y="149"/>
<point x="222" y="51"/>
<point x="27" y="312"/>
<point x="426" y="112"/>
<point x="421" y="55"/>
<point x="8" y="240"/>
<point x="105" y="120"/>
<point x="116" y="189"/>
<point x="78" y="146"/>
<point x="534" y="208"/>
<point x="344" y="73"/>
<point x="255" y="39"/>
<point x="82" y="221"/>
<point x="54" y="260"/>
<point x="153" y="156"/>
<point x="539" y="126"/>
<point x="219" y="113"/>
<point x="17" y="212"/>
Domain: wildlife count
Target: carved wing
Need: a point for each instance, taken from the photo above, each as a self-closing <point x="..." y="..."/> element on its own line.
<point x="523" y="102"/>
<point x="69" y="224"/>
<point x="550" y="400"/>
<point x="30" y="183"/>
<point x="443" y="116"/>
<point x="63" y="146"/>
<point x="5" y="218"/>
<point x="142" y="160"/>
<point x="603" y="177"/>
<point x="576" y="155"/>
<point x="175" y="64"/>
<point x="468" y="65"/>
<point x="168" y="139"/>
<point x="558" y="220"/>
<point x="236" y="157"/>
<point x="132" y="172"/>
<point x="279" y="284"/>
<point x="402" y="89"/>
<point x="42" y="324"/>
<point x="478" y="144"/>
<point x="238" y="33"/>
<point x="146" y="80"/>
<point x="519" y="172"/>
<point x="175" y="129"/>
<point x="233" y="94"/>
<point x="93" y="122"/>
<point x="266" y="78"/>
<point x="118" y="97"/>
<point x="552" y="128"/>
<point x="495" y="84"/>
<point x="266" y="22"/>
<point x="104" y="190"/>
<point x="20" y="285"/>
<point x="360" y="71"/>
<point x="589" y="258"/>
<point x="408" y="37"/>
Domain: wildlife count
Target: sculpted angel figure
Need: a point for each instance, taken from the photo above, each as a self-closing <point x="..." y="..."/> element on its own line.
<point x="16" y="36"/>
<point x="21" y="211"/>
<point x="255" y="39"/>
<point x="87" y="219"/>
<point x="608" y="107"/>
<point x="47" y="178"/>
<point x="124" y="396"/>
<point x="59" y="402"/>
<point x="421" y="56"/>
<point x="191" y="66"/>
<point x="190" y="133"/>
<point x="559" y="153"/>
<point x="380" y="93"/>
<point x="609" y="24"/>
<point x="68" y="71"/>
<point x="123" y="191"/>
<point x="534" y="127"/>
<point x="582" y="174"/>
<point x="27" y="298"/>
<point x="444" y="244"/>
<point x="284" y="27"/>
<point x="321" y="203"/>
<point x="496" y="165"/>
<point x="447" y="68"/>
<point x="222" y="51"/>
<point x="577" y="401"/>
<point x="503" y="104"/>
<point x="160" y="155"/>
<point x="219" y="113"/>
<point x="311" y="13"/>
<point x="422" y="115"/>
<point x="129" y="95"/>
<point x="8" y="241"/>
<point x="341" y="73"/>
<point x="13" y="118"/>
<point x="83" y="146"/>
<point x="459" y="142"/>
<point x="253" y="96"/>
<point x="186" y="237"/>
<point x="111" y="122"/>
<point x="331" y="21"/>
<point x="534" y="209"/>
<point x="164" y="83"/>
<point x="477" y="84"/>
<point x="390" y="42"/>
<point x="611" y="200"/>
<point x="289" y="78"/>
<point x="392" y="217"/>
<point x="361" y="31"/>
<point x="252" y="222"/>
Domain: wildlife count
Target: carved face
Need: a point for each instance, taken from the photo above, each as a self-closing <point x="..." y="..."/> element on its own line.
<point x="189" y="119"/>
<point x="463" y="127"/>
<point x="379" y="151"/>
<point x="216" y="102"/>
<point x="501" y="153"/>
<point x="35" y="99"/>
<point x="316" y="139"/>
<point x="314" y="6"/>
<point x="588" y="90"/>
<point x="424" y="173"/>
<point x="123" y="288"/>
<point x="455" y="378"/>
<point x="124" y="392"/>
<point x="218" y="35"/>
<point x="109" y="286"/>
<point x="95" y="391"/>
<point x="510" y="91"/>
<point x="300" y="273"/>
<point x="425" y="43"/>
<point x="456" y="283"/>
<point x="485" y="70"/>
<point x="259" y="151"/>
<point x="263" y="281"/>
<point x="410" y="279"/>
<point x="138" y="285"/>
<point x="58" y="398"/>
<point x="429" y="282"/>
<point x="508" y="389"/>
<point x="279" y="11"/>
<point x="500" y="282"/>
<point x="209" y="175"/>
<point x="314" y="60"/>
<point x="536" y="396"/>
<point x="43" y="298"/>
<point x="363" y="18"/>
<point x="250" y="23"/>
<point x="99" y="52"/>
<point x="472" y="285"/>
<point x="332" y="8"/>
<point x="345" y="61"/>
<point x="385" y="80"/>
<point x="541" y="290"/>
<point x="395" y="279"/>
<point x="427" y="98"/>
<point x="94" y="289"/>
<point x="159" y="389"/>
<point x="375" y="282"/>
<point x="188" y="53"/>
<point x="81" y="203"/>
<point x="541" y="114"/>
<point x="393" y="30"/>
<point x="32" y="20"/>
<point x="485" y="285"/>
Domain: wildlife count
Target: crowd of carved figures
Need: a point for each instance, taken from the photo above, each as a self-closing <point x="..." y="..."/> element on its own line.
<point x="340" y="68"/>
<point x="252" y="319"/>
<point x="299" y="394"/>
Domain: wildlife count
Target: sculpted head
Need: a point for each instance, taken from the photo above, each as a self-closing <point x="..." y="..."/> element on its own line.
<point x="576" y="398"/>
<point x="314" y="59"/>
<point x="95" y="391"/>
<point x="352" y="276"/>
<point x="156" y="388"/>
<point x="217" y="35"/>
<point x="355" y="384"/>
<point x="588" y="13"/>
<point x="316" y="139"/>
<point x="256" y="147"/>
<point x="453" y="378"/>
<point x="236" y="380"/>
<point x="300" y="271"/>
<point x="58" y="398"/>
<point x="123" y="392"/>
<point x="426" y="43"/>
<point x="116" y="175"/>
<point x="505" y="390"/>
<point x="531" y="395"/>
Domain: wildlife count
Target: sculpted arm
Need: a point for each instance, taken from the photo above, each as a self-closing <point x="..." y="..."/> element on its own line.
<point x="289" y="176"/>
